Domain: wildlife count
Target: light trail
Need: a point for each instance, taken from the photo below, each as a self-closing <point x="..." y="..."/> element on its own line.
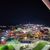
<point x="47" y="3"/>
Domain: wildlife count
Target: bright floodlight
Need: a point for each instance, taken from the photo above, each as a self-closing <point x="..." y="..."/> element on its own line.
<point x="47" y="3"/>
<point x="2" y="38"/>
<point x="24" y="31"/>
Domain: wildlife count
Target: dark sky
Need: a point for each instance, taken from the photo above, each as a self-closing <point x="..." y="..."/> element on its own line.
<point x="20" y="12"/>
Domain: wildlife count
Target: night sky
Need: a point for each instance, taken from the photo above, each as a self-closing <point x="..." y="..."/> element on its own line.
<point x="21" y="12"/>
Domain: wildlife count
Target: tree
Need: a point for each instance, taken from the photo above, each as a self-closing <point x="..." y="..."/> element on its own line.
<point x="5" y="48"/>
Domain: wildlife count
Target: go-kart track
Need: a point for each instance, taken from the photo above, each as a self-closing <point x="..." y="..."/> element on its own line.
<point x="46" y="47"/>
<point x="39" y="45"/>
